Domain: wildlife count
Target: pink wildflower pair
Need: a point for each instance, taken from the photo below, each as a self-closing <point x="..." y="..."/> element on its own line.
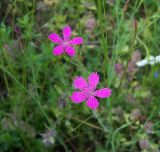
<point x="86" y="88"/>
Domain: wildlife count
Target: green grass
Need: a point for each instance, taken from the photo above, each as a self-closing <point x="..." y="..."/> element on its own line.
<point x="35" y="86"/>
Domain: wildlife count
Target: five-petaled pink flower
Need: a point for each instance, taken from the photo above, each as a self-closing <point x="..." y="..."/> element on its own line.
<point x="65" y="44"/>
<point x="87" y="91"/>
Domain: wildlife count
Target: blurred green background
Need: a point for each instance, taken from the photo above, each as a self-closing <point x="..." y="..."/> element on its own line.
<point x="36" y="113"/>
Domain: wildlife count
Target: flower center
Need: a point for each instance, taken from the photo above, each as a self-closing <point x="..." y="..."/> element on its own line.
<point x="65" y="43"/>
<point x="88" y="92"/>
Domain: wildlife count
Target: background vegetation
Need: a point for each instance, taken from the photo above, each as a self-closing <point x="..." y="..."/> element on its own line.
<point x="36" y="113"/>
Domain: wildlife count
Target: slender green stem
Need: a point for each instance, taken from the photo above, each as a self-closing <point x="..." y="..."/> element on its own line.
<point x="131" y="48"/>
<point x="102" y="32"/>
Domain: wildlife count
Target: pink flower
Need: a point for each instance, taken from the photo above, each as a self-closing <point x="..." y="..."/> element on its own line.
<point x="87" y="91"/>
<point x="65" y="44"/>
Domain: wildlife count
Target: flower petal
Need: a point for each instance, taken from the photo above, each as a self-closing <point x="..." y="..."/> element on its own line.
<point x="70" y="50"/>
<point x="76" y="41"/>
<point x="66" y="33"/>
<point x="58" y="50"/>
<point x="93" y="80"/>
<point x="80" y="83"/>
<point x="92" y="102"/>
<point x="103" y="93"/>
<point x="78" y="97"/>
<point x="55" y="38"/>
